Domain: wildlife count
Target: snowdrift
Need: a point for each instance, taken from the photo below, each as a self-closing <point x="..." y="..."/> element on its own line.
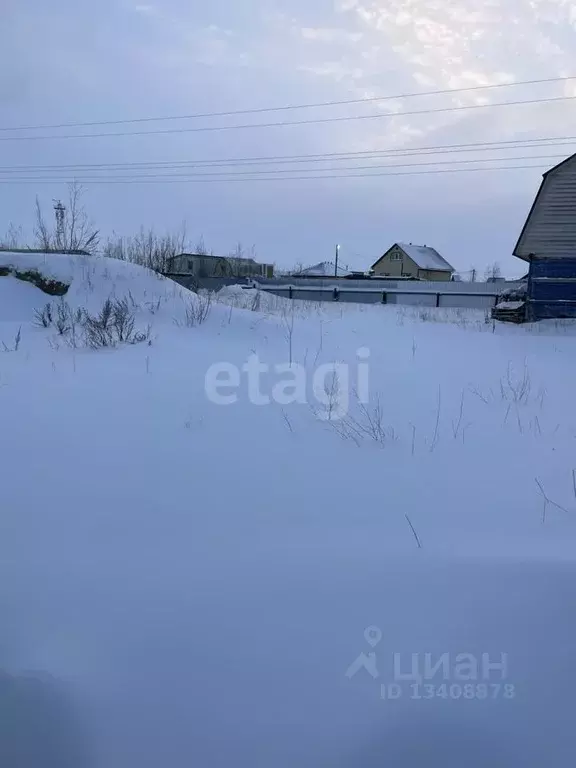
<point x="87" y="281"/>
<point x="91" y="278"/>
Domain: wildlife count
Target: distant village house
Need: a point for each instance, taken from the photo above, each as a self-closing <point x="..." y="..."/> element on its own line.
<point x="322" y="269"/>
<point x="419" y="262"/>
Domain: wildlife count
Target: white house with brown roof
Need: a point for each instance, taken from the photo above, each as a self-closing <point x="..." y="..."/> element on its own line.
<point x="416" y="261"/>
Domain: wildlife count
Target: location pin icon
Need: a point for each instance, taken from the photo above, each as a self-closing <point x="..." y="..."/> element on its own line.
<point x="372" y="635"/>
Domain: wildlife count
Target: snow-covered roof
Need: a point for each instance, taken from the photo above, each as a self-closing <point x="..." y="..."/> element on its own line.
<point x="323" y="269"/>
<point x="426" y="257"/>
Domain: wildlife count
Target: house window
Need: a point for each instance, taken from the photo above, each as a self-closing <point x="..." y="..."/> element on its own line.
<point x="190" y="265"/>
<point x="395" y="256"/>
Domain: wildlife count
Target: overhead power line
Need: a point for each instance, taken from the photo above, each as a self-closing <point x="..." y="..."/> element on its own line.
<point x="284" y="108"/>
<point x="426" y="151"/>
<point x="232" y="173"/>
<point x="283" y="124"/>
<point x="211" y="180"/>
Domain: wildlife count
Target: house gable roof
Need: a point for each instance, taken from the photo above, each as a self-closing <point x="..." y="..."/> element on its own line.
<point x="535" y="203"/>
<point x="323" y="269"/>
<point x="423" y="256"/>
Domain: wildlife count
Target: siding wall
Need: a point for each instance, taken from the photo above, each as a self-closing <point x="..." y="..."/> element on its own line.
<point x="396" y="267"/>
<point x="551" y="229"/>
<point x="432" y="274"/>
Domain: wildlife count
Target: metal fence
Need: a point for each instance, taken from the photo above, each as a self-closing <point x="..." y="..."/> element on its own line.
<point x="370" y="284"/>
<point x="429" y="294"/>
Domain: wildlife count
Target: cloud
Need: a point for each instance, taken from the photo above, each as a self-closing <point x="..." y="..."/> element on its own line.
<point x="456" y="44"/>
<point x="330" y="35"/>
<point x="147" y="10"/>
<point x="412" y="45"/>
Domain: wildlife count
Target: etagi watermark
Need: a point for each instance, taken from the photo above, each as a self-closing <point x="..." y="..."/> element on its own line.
<point x="428" y="676"/>
<point x="329" y="385"/>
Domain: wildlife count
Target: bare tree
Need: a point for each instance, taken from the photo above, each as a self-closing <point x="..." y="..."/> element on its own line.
<point x="200" y="247"/>
<point x="296" y="269"/>
<point x="147" y="249"/>
<point x="492" y="272"/>
<point x="240" y="263"/>
<point x="12" y="239"/>
<point x="44" y="238"/>
<point x="76" y="232"/>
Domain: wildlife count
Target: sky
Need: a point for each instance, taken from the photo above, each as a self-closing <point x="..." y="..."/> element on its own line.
<point x="123" y="60"/>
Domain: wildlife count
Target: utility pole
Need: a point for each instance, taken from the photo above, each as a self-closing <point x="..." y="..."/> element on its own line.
<point x="336" y="262"/>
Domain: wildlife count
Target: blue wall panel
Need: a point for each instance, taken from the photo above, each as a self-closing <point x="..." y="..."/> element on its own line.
<point x="552" y="288"/>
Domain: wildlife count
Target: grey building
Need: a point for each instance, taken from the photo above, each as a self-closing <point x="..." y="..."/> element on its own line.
<point x="207" y="265"/>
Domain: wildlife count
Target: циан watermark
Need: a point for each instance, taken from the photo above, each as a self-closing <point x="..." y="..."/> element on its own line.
<point x="328" y="386"/>
<point x="434" y="676"/>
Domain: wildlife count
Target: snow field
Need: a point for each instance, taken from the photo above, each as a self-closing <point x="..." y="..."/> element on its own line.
<point x="203" y="575"/>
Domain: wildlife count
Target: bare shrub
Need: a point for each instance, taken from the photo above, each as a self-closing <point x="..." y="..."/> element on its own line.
<point x="516" y="389"/>
<point x="196" y="312"/>
<point x="152" y="306"/>
<point x="63" y="321"/>
<point x="113" y="325"/>
<point x="332" y="392"/>
<point x="16" y="346"/>
<point x="43" y="317"/>
<point x="122" y="320"/>
<point x="288" y="323"/>
<point x="369" y="424"/>
<point x="76" y="320"/>
<point x="98" y="331"/>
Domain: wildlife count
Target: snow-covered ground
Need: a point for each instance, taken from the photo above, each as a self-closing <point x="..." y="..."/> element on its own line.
<point x="210" y="579"/>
